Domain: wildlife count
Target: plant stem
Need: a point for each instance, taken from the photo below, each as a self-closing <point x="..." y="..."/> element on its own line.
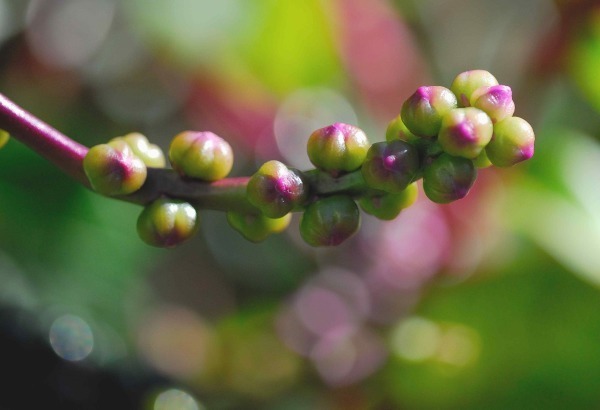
<point x="51" y="144"/>
<point x="228" y="194"/>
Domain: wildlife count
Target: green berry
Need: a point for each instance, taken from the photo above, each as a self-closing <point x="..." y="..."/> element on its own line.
<point x="387" y="206"/>
<point x="167" y="222"/>
<point x="257" y="227"/>
<point x="467" y="82"/>
<point x="201" y="155"/>
<point x="396" y="130"/>
<point x="113" y="169"/>
<point x="4" y="137"/>
<point x="276" y="189"/>
<point x="465" y="132"/>
<point x="448" y="178"/>
<point x="390" y="166"/>
<point x="330" y="221"/>
<point x="422" y="112"/>
<point x="512" y="142"/>
<point x="496" y="101"/>
<point x="151" y="154"/>
<point x="338" y="148"/>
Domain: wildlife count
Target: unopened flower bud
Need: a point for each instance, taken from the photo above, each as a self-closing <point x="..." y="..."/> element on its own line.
<point x="422" y="112"/>
<point x="113" y="169"/>
<point x="467" y="82"/>
<point x="512" y="142"/>
<point x="387" y="206"/>
<point x="338" y="148"/>
<point x="151" y="154"/>
<point x="276" y="189"/>
<point x="202" y="155"/>
<point x="496" y="101"/>
<point x="448" y="178"/>
<point x="330" y="221"/>
<point x="257" y="227"/>
<point x="465" y="132"/>
<point x="167" y="222"/>
<point x="390" y="166"/>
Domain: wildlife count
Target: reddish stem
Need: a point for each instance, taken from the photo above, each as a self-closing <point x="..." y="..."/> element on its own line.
<point x="50" y="143"/>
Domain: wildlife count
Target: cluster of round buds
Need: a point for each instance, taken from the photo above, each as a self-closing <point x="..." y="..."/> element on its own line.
<point x="441" y="135"/>
<point x="457" y="130"/>
<point x="119" y="167"/>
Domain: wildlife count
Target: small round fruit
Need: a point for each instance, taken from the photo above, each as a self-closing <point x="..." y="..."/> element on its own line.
<point x="330" y="221"/>
<point x="338" y="148"/>
<point x="113" y="169"/>
<point x="513" y="141"/>
<point x="390" y="166"/>
<point x="275" y="189"/>
<point x="465" y="132"/>
<point x="387" y="206"/>
<point x="167" y="222"/>
<point x="496" y="101"/>
<point x="467" y="82"/>
<point x="422" y="112"/>
<point x="202" y="155"/>
<point x="448" y="178"/>
<point x="151" y="154"/>
<point x="257" y="227"/>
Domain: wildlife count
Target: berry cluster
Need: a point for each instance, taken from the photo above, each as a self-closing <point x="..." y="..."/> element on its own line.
<point x="441" y="135"/>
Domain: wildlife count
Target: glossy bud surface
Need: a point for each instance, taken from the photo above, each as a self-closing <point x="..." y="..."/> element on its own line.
<point x="337" y="148"/>
<point x="330" y="221"/>
<point x="422" y="112"/>
<point x="167" y="222"/>
<point x="201" y="154"/>
<point x="448" y="178"/>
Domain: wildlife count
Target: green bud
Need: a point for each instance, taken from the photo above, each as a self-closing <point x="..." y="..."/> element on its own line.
<point x="276" y="189"/>
<point x="390" y="166"/>
<point x="396" y="130"/>
<point x="465" y="132"/>
<point x="496" y="101"/>
<point x="422" y="112"/>
<point x="512" y="142"/>
<point x="257" y="227"/>
<point x="151" y="154"/>
<point x="167" y="222"/>
<point x="448" y="178"/>
<point x="330" y="221"/>
<point x="4" y="137"/>
<point x="113" y="169"/>
<point x="387" y="206"/>
<point x="338" y="148"/>
<point x="467" y="82"/>
<point x="201" y="155"/>
<point x="482" y="160"/>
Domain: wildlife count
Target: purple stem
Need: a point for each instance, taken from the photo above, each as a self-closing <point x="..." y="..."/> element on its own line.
<point x="50" y="143"/>
<point x="228" y="194"/>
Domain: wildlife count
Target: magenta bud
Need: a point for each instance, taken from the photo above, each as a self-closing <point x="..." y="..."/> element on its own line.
<point x="496" y="101"/>
<point x="467" y="82"/>
<point x="338" y="148"/>
<point x="391" y="166"/>
<point x="422" y="112"/>
<point x="465" y="132"/>
<point x="276" y="189"/>
<point x="512" y="142"/>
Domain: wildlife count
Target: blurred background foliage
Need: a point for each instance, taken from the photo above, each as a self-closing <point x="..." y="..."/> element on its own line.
<point x="491" y="302"/>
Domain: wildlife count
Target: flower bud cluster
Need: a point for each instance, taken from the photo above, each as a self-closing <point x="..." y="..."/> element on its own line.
<point x="458" y="130"/>
<point x="441" y="135"/>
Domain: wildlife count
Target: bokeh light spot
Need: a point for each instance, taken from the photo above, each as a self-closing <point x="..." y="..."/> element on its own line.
<point x="415" y="339"/>
<point x="175" y="399"/>
<point x="71" y="338"/>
